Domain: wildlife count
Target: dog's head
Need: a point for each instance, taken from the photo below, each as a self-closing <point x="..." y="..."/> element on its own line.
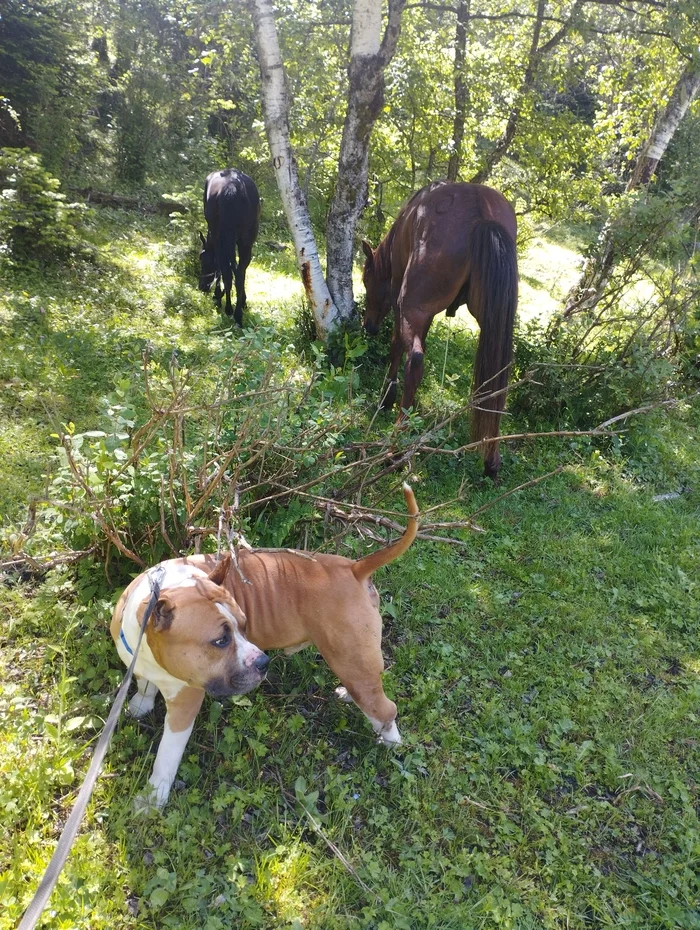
<point x="197" y="634"/>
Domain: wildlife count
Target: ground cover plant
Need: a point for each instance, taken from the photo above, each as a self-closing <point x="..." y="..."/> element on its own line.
<point x="546" y="669"/>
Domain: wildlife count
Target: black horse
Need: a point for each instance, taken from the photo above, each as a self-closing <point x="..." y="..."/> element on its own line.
<point x="232" y="212"/>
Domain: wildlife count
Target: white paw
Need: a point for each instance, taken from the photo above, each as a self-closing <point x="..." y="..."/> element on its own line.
<point x="390" y="735"/>
<point x="141" y="704"/>
<point x="343" y="695"/>
<point x="147" y="802"/>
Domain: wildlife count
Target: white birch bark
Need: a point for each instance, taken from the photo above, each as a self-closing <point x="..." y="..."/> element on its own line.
<point x="276" y="108"/>
<point x="369" y="56"/>
<point x="589" y="288"/>
<point x="685" y="91"/>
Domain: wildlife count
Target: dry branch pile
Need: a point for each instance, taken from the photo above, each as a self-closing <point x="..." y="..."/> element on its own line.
<point x="263" y="452"/>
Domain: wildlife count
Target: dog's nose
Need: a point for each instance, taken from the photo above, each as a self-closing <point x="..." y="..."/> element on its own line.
<point x="262" y="662"/>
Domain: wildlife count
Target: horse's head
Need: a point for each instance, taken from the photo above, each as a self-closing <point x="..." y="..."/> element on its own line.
<point x="377" y="282"/>
<point x="207" y="260"/>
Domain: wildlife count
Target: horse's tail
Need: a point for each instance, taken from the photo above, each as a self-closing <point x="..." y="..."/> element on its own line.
<point x="363" y="568"/>
<point x="493" y="298"/>
<point x="227" y="241"/>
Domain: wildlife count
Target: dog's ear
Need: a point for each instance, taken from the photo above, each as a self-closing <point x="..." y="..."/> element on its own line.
<point x="162" y="616"/>
<point x="220" y="571"/>
<point x="367" y="249"/>
<point x="204" y="241"/>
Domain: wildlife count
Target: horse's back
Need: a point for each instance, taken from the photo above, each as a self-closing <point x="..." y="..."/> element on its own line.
<point x="443" y="210"/>
<point x="231" y="197"/>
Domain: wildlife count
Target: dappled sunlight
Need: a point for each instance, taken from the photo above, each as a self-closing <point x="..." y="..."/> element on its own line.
<point x="282" y="883"/>
<point x="272" y="290"/>
<point x="534" y="667"/>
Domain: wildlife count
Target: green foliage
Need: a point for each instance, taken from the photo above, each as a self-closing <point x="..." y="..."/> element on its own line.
<point x="545" y="670"/>
<point x="49" y="78"/>
<point x="566" y="394"/>
<point x="36" y="222"/>
<point x="132" y="473"/>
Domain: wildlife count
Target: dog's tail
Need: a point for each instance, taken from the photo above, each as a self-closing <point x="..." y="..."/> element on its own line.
<point x="363" y="568"/>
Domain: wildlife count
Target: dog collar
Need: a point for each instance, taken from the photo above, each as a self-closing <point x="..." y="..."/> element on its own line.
<point x="126" y="645"/>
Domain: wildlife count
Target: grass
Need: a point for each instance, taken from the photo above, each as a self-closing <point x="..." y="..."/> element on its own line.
<point x="547" y="674"/>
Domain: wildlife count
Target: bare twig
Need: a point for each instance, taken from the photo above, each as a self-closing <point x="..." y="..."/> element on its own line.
<point x="24" y="561"/>
<point x="520" y="487"/>
<point x="672" y="402"/>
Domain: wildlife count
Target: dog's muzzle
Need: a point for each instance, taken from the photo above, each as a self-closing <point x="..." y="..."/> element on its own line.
<point x="261" y="663"/>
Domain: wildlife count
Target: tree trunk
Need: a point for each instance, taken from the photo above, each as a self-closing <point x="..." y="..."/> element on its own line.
<point x="589" y="288"/>
<point x="461" y="90"/>
<point x="276" y="108"/>
<point x="368" y="59"/>
<point x="535" y="56"/>
<point x="685" y="91"/>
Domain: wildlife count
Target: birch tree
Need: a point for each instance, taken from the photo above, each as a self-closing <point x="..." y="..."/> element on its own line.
<point x="276" y="109"/>
<point x="369" y="56"/>
<point x="587" y="291"/>
<point x="537" y="53"/>
<point x="461" y="90"/>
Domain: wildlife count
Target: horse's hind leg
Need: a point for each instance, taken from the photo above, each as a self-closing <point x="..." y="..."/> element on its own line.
<point x="389" y="398"/>
<point x="414" y="330"/>
<point x="245" y="253"/>
<point x="227" y="276"/>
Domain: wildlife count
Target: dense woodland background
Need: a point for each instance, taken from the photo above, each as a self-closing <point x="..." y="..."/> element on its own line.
<point x="551" y="102"/>
<point x="541" y="637"/>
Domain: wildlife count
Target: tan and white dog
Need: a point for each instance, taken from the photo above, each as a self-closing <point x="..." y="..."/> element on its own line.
<point x="194" y="642"/>
<point x="201" y="638"/>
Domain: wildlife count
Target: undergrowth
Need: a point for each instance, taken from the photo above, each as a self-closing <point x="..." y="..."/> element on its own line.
<point x="546" y="669"/>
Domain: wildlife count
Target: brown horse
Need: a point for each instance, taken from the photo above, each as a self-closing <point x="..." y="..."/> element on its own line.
<point x="451" y="244"/>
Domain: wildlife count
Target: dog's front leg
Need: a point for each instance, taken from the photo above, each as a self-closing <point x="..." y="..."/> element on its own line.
<point x="182" y="709"/>
<point x="143" y="701"/>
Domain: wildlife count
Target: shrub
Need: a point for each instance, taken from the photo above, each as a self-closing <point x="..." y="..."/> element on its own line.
<point x="170" y="455"/>
<point x="575" y="384"/>
<point x="34" y="216"/>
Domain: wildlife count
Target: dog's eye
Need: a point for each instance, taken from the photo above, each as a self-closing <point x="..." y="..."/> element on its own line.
<point x="222" y="641"/>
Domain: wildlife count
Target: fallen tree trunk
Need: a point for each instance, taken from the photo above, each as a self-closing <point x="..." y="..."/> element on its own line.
<point x="163" y="207"/>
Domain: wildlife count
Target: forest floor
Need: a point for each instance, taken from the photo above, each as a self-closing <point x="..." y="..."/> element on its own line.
<point x="547" y="672"/>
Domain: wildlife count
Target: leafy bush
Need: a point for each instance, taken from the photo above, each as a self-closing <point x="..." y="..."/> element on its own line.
<point x="172" y="454"/>
<point x="35" y="219"/>
<point x="637" y="342"/>
<point x="569" y="388"/>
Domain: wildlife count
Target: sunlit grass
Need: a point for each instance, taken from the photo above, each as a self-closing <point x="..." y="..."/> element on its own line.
<point x="547" y="672"/>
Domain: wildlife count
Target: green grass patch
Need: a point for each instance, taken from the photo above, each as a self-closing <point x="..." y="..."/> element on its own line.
<point x="547" y="672"/>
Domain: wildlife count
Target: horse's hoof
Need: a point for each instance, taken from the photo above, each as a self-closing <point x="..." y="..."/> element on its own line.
<point x="395" y="461"/>
<point x="389" y="399"/>
<point x="492" y="473"/>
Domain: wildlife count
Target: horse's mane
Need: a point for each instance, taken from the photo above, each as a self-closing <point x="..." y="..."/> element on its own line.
<point x="382" y="255"/>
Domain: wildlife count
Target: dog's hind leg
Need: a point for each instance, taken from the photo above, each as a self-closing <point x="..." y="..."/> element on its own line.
<point x="360" y="673"/>
<point x="144" y="699"/>
<point x="378" y="709"/>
